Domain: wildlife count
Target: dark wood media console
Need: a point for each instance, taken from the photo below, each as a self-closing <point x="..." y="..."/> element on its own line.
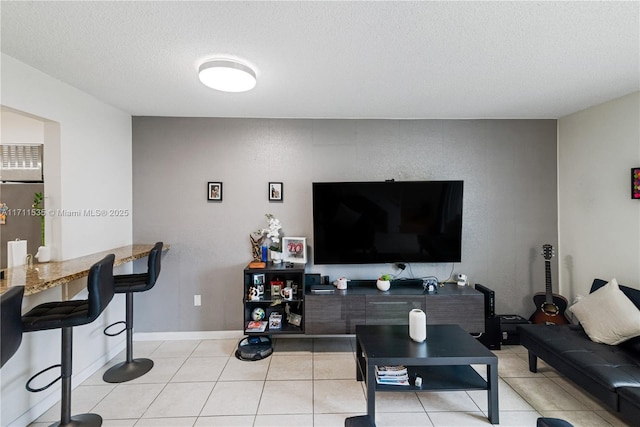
<point x="362" y="303"/>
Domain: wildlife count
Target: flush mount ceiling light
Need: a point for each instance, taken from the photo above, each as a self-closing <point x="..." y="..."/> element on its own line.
<point x="227" y="75"/>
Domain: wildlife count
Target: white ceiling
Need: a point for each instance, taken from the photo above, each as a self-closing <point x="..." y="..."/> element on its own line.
<point x="337" y="59"/>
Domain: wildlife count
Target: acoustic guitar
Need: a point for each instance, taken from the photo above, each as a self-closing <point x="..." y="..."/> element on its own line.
<point x="551" y="307"/>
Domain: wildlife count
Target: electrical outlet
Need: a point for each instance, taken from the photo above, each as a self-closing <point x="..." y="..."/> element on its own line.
<point x="197" y="300"/>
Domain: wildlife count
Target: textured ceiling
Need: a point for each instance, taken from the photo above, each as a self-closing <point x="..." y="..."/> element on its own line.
<point x="337" y="59"/>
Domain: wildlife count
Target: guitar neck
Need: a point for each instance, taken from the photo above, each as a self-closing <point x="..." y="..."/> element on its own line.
<point x="547" y="273"/>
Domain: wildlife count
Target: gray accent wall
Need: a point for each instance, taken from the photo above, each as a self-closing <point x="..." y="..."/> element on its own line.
<point x="510" y="201"/>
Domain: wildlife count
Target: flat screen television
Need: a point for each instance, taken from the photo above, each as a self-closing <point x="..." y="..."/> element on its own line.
<point x="387" y="222"/>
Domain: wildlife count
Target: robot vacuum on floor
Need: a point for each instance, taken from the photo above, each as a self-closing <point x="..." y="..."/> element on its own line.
<point x="254" y="348"/>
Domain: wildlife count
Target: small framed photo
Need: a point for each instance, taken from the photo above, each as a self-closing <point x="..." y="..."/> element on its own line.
<point x="635" y="183"/>
<point x="276" y="287"/>
<point x="258" y="279"/>
<point x="275" y="192"/>
<point x="294" y="249"/>
<point x="214" y="191"/>
<point x="293" y="285"/>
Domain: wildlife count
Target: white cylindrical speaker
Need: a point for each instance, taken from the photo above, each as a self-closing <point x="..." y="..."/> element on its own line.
<point x="417" y="325"/>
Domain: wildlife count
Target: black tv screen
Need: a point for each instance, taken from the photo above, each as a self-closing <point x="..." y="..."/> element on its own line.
<point x="387" y="222"/>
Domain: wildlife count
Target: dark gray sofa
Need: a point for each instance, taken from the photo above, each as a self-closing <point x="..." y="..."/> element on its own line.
<point x="610" y="373"/>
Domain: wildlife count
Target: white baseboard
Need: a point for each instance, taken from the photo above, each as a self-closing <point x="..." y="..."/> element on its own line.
<point x="215" y="335"/>
<point x="195" y="335"/>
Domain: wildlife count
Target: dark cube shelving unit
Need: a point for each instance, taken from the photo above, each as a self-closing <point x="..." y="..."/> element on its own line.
<point x="282" y="272"/>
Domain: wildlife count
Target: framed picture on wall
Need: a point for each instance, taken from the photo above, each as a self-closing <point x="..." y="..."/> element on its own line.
<point x="294" y="249"/>
<point x="214" y="191"/>
<point x="635" y="183"/>
<point x="275" y="192"/>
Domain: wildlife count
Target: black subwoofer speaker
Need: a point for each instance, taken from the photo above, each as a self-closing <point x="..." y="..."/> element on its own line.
<point x="492" y="337"/>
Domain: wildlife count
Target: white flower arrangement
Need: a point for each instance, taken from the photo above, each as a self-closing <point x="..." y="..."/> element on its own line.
<point x="272" y="232"/>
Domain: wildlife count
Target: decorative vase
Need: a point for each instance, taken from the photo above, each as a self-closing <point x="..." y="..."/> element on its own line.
<point x="383" y="285"/>
<point x="417" y="325"/>
<point x="276" y="257"/>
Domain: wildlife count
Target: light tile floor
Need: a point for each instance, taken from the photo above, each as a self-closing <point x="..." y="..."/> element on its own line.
<point x="312" y="382"/>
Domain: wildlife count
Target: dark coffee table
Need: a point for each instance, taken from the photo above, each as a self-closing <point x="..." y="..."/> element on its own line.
<point x="442" y="361"/>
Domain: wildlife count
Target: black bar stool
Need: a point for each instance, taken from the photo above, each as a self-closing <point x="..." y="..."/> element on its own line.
<point x="11" y="324"/>
<point x="128" y="284"/>
<point x="65" y="315"/>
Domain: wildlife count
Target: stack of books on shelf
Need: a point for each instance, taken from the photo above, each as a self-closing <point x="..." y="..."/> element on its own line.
<point x="256" y="326"/>
<point x="392" y="375"/>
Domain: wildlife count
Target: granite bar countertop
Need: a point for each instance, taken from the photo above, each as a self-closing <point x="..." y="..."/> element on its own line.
<point x="47" y="275"/>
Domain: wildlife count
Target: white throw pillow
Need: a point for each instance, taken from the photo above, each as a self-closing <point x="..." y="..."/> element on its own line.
<point x="607" y="315"/>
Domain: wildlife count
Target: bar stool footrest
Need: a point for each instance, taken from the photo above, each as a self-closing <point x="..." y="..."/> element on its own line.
<point x="109" y="334"/>
<point x="127" y="371"/>
<point x="36" y="375"/>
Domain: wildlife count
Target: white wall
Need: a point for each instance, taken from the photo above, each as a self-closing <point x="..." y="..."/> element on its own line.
<point x="94" y="158"/>
<point x="599" y="223"/>
<point x="89" y="166"/>
<point x="20" y="128"/>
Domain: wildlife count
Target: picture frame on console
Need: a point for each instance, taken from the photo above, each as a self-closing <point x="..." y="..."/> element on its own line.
<point x="214" y="191"/>
<point x="635" y="183"/>
<point x="294" y="249"/>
